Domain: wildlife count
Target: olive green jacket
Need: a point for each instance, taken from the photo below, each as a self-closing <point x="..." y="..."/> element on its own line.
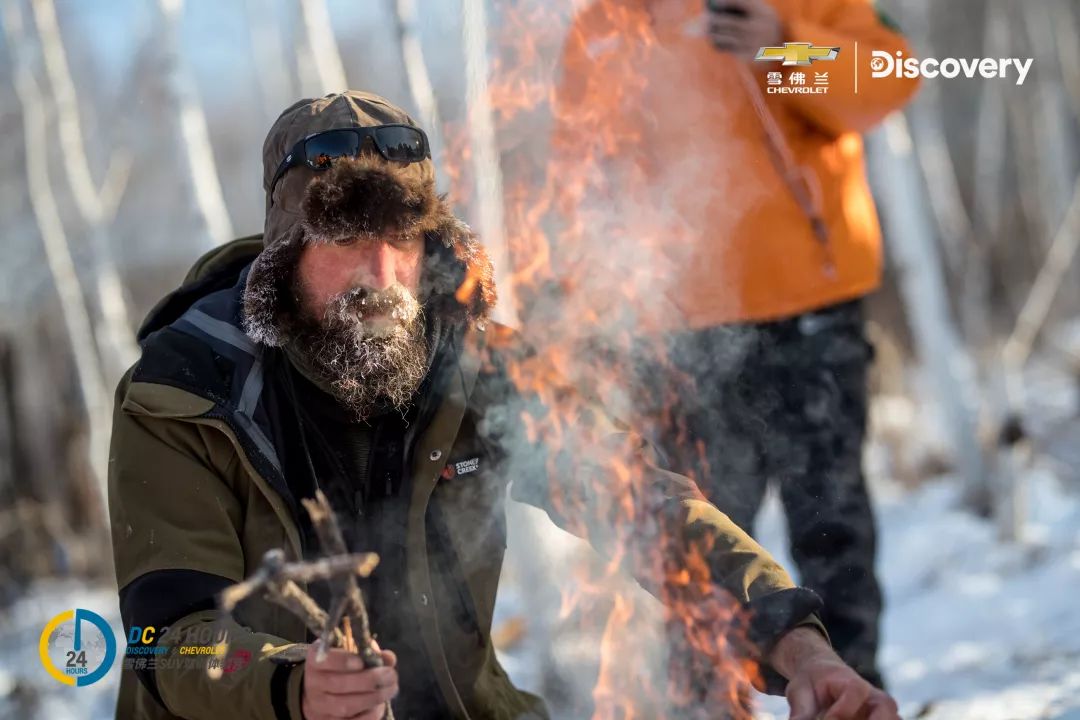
<point x="197" y="495"/>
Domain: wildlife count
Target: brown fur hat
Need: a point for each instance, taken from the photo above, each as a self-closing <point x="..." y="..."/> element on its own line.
<point x="364" y="197"/>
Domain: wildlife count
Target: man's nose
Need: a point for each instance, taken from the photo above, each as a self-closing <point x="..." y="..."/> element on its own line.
<point x="381" y="265"/>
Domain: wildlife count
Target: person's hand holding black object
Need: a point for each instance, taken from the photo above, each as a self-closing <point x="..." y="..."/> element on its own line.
<point x="742" y="27"/>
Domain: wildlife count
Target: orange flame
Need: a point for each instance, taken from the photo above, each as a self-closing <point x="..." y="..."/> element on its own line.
<point x="561" y="231"/>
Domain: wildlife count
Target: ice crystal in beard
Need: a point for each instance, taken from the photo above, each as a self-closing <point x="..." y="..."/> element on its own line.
<point x="373" y="314"/>
<point x="370" y="346"/>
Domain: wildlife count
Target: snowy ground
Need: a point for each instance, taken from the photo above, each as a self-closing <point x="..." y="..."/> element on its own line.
<point x="26" y="691"/>
<point x="974" y="629"/>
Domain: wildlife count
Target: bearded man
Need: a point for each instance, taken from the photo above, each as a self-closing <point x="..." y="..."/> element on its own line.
<point x="348" y="349"/>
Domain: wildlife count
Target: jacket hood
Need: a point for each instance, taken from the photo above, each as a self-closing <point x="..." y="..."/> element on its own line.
<point x="218" y="269"/>
<point x="367" y="196"/>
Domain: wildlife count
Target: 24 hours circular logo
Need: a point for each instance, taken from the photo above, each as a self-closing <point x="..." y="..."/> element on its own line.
<point x="77" y="647"/>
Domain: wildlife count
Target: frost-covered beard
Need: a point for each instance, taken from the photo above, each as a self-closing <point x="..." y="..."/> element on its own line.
<point x="370" y="346"/>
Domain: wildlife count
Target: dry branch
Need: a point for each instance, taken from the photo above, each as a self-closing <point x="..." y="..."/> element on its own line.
<point x="278" y="580"/>
<point x="1046" y="286"/>
<point x="349" y="601"/>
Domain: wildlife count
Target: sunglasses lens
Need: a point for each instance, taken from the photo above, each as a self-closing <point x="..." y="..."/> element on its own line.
<point x="401" y="144"/>
<point x="322" y="150"/>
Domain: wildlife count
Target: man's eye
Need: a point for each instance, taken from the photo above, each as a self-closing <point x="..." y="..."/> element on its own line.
<point x="411" y="242"/>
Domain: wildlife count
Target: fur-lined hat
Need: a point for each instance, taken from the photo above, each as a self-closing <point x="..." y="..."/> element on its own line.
<point x="357" y="197"/>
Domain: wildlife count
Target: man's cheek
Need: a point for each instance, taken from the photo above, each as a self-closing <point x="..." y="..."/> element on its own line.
<point x="313" y="308"/>
<point x="409" y="272"/>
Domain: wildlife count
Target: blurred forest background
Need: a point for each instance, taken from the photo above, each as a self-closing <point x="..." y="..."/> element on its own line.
<point x="130" y="139"/>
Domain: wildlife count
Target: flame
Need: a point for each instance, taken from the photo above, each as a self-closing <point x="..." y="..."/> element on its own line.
<point x="561" y="229"/>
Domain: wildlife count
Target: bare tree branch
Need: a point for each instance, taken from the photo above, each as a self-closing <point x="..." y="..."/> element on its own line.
<point x="57" y="251"/>
<point x="202" y="170"/>
<point x="274" y="75"/>
<point x="485" y="154"/>
<point x="1052" y="134"/>
<point x="95" y="205"/>
<point x="1041" y="298"/>
<point x="1068" y="44"/>
<point x="935" y="160"/>
<point x="349" y="598"/>
<point x="420" y="87"/>
<point x="922" y="284"/>
<point x="990" y="130"/>
<point x="339" y="568"/>
<point x="323" y="46"/>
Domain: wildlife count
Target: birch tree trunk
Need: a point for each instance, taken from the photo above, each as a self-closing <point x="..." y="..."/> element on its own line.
<point x="912" y="250"/>
<point x="935" y="158"/>
<point x="420" y="88"/>
<point x="997" y="407"/>
<point x="1055" y="143"/>
<point x="990" y="131"/>
<point x="75" y="316"/>
<point x="195" y="137"/>
<point x="8" y="444"/>
<point x="485" y="155"/>
<point x="1051" y="277"/>
<point x="274" y="74"/>
<point x="323" y="47"/>
<point x="96" y="206"/>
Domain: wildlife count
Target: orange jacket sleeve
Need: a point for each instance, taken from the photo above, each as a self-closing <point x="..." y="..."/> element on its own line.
<point x="842" y="24"/>
<point x="571" y="88"/>
<point x="585" y="105"/>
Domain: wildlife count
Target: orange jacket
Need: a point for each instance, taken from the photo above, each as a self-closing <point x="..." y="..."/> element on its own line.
<point x="673" y="186"/>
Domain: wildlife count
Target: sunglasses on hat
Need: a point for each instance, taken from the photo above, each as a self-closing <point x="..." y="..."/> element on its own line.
<point x="396" y="143"/>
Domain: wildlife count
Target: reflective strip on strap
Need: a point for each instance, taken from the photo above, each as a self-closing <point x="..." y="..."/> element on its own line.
<point x="222" y="330"/>
<point x="253" y="383"/>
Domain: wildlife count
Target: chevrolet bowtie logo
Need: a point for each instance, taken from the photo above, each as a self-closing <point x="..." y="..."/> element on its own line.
<point x="797" y="53"/>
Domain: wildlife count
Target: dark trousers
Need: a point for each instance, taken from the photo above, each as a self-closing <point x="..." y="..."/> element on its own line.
<point x="738" y="407"/>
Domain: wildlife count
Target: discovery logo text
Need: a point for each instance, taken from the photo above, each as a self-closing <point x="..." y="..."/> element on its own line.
<point x="885" y="64"/>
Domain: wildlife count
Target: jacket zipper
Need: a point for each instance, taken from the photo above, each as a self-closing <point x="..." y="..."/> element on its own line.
<point x="456" y="570"/>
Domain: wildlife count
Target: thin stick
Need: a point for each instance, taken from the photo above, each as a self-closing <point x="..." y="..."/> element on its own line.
<point x="1050" y="279"/>
<point x="289" y="596"/>
<point x="350" y="641"/>
<point x="346" y="592"/>
<point x="332" y="540"/>
<point x="279" y="581"/>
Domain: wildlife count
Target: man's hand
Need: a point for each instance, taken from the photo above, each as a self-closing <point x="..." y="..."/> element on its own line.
<point x="340" y="687"/>
<point x="743" y="27"/>
<point x="820" y="685"/>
